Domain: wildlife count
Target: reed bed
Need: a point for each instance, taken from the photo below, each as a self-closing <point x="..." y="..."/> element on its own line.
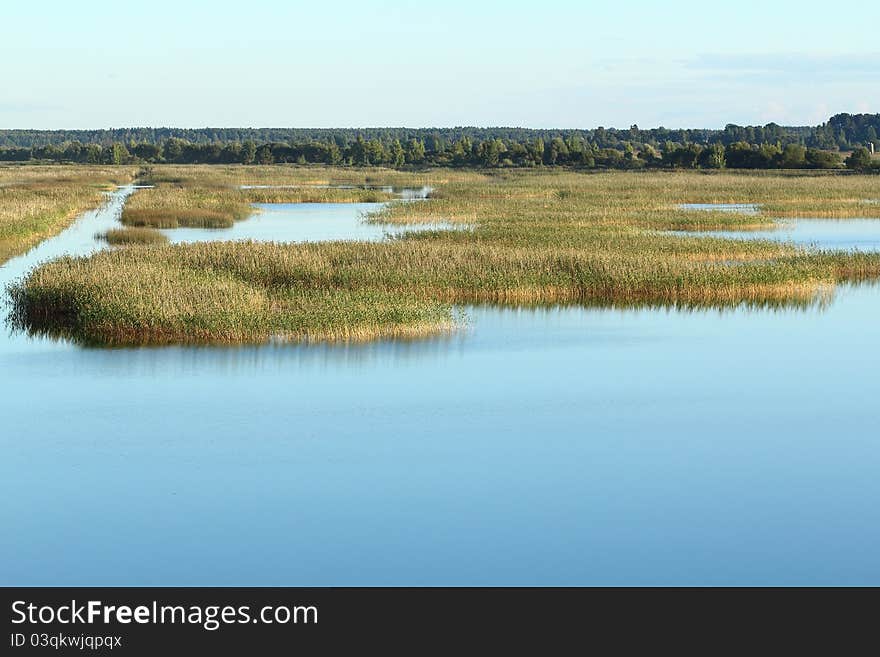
<point x="316" y="195"/>
<point x="175" y="206"/>
<point x="37" y="202"/>
<point x="126" y="236"/>
<point x="215" y="202"/>
<point x="535" y="238"/>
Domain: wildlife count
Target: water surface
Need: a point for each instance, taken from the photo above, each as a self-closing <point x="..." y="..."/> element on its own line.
<point x="829" y="234"/>
<point x="304" y="222"/>
<point x="564" y="446"/>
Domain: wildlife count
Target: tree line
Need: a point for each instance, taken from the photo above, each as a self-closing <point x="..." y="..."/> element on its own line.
<point x="841" y="131"/>
<point x="735" y="147"/>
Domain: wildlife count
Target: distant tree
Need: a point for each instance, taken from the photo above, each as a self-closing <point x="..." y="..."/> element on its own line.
<point x="490" y="152"/>
<point x="172" y="149"/>
<point x="859" y="159"/>
<point x="334" y="153"/>
<point x="358" y="151"/>
<point x="649" y="154"/>
<point x="248" y="152"/>
<point x="117" y="153"/>
<point x="819" y="159"/>
<point x="742" y="155"/>
<point x="376" y="152"/>
<point x="587" y="157"/>
<point x="713" y="157"/>
<point x="415" y="151"/>
<point x="397" y="154"/>
<point x="536" y="150"/>
<point x="557" y="153"/>
<point x="146" y="151"/>
<point x="794" y="156"/>
<point x="93" y="154"/>
<point x="74" y="152"/>
<point x="264" y="155"/>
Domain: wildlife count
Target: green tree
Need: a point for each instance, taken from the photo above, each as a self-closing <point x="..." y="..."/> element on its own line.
<point x="819" y="159"/>
<point x="376" y="152"/>
<point x="248" y="152"/>
<point x="794" y="156"/>
<point x="490" y="152"/>
<point x="264" y="155"/>
<point x="557" y="153"/>
<point x="116" y="154"/>
<point x="396" y="154"/>
<point x="859" y="159"/>
<point x="172" y="149"/>
<point x="415" y="151"/>
<point x="713" y="157"/>
<point x="334" y="154"/>
<point x="536" y="150"/>
<point x="358" y="151"/>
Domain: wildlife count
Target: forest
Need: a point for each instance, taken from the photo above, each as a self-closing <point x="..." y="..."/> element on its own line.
<point x="735" y="147"/>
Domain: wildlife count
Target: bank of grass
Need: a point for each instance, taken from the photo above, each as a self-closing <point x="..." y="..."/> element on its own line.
<point x="37" y="202"/>
<point x="535" y="238"/>
<point x="202" y="198"/>
<point x="174" y="206"/>
<point x="307" y="194"/>
<point x="127" y="236"/>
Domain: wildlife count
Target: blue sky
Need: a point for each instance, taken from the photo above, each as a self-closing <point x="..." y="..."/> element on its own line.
<point x="554" y="63"/>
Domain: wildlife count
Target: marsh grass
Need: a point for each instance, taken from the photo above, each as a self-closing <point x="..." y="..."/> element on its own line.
<point x="175" y="206"/>
<point x="316" y="195"/>
<point x="38" y="202"/>
<point x="126" y="236"/>
<point x="535" y="238"/>
<point x="186" y="201"/>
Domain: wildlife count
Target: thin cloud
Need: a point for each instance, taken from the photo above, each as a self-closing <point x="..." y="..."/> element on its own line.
<point x="790" y="65"/>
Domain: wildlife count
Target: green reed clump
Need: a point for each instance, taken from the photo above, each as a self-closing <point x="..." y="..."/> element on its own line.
<point x="126" y="236"/>
<point x="317" y="195"/>
<point x="157" y="302"/>
<point x="174" y="206"/>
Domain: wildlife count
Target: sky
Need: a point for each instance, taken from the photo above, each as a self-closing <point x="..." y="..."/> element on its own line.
<point x="548" y="64"/>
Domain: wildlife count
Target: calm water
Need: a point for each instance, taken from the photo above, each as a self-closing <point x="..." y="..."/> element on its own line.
<point x="303" y="222"/>
<point x="311" y="222"/>
<point x="567" y="446"/>
<point x="834" y="234"/>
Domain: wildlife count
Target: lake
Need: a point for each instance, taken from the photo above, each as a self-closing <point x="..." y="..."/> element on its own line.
<point x="558" y="446"/>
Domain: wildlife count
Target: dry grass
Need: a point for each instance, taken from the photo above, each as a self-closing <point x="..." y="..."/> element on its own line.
<point x="127" y="236"/>
<point x="37" y="202"/>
